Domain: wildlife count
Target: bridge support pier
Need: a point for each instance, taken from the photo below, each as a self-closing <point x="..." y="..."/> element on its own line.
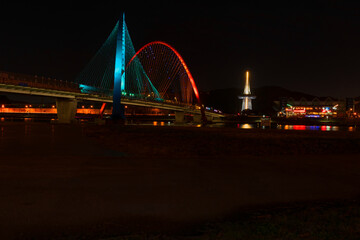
<point x="197" y="118"/>
<point x="179" y="117"/>
<point x="66" y="109"/>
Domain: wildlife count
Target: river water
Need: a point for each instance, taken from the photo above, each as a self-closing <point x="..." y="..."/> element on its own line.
<point x="293" y="127"/>
<point x="324" y="128"/>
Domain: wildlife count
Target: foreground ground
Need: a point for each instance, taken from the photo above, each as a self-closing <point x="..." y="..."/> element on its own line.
<point x="120" y="182"/>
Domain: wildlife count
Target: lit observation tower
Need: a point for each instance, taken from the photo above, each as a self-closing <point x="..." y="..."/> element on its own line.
<point x="247" y="97"/>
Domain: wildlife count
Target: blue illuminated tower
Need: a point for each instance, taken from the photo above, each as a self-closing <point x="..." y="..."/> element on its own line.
<point x="105" y="73"/>
<point x="119" y="73"/>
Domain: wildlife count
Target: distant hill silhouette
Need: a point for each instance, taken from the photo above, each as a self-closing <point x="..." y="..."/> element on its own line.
<point x="227" y="100"/>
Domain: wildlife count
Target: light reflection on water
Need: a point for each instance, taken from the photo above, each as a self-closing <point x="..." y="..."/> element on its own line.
<point x="295" y="127"/>
<point x="156" y="123"/>
<point x="316" y="128"/>
<point x="26" y="119"/>
<point x="246" y="126"/>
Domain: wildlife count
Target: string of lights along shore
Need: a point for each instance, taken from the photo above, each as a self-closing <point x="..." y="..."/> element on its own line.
<point x="247" y="97"/>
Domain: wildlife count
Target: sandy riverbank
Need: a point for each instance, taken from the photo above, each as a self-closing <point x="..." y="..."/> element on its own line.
<point x="91" y="181"/>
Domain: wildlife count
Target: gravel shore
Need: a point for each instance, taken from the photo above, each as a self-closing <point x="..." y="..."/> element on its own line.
<point x="92" y="182"/>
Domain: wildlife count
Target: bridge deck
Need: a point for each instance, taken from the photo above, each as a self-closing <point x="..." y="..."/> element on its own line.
<point x="98" y="98"/>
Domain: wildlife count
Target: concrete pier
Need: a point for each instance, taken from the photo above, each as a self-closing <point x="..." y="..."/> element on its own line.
<point x="179" y="117"/>
<point x="66" y="109"/>
<point x="197" y="118"/>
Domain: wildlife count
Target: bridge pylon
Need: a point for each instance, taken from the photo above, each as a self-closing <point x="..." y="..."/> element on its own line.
<point x="119" y="73"/>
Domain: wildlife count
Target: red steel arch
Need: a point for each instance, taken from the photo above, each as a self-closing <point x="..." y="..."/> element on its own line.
<point x="181" y="61"/>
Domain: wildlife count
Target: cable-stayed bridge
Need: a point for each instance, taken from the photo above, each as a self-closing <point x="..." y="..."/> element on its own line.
<point x="155" y="76"/>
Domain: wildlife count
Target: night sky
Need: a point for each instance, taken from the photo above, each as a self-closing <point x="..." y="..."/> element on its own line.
<point x="313" y="47"/>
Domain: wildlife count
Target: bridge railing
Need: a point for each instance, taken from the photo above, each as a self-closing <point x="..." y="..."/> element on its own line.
<point x="37" y="82"/>
<point x="60" y="85"/>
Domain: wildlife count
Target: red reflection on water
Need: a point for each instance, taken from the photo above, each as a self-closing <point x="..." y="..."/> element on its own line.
<point x="299" y="127"/>
<point x="325" y="128"/>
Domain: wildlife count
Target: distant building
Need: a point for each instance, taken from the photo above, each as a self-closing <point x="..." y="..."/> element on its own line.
<point x="314" y="108"/>
<point x="247" y="97"/>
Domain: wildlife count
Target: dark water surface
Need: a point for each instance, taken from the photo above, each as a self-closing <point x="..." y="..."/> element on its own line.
<point x="42" y="139"/>
<point x="221" y="125"/>
<point x="61" y="180"/>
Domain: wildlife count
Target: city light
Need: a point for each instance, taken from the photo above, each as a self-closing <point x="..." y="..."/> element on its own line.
<point x="247" y="84"/>
<point x="246" y="97"/>
<point x="245" y="126"/>
<point x="310" y="111"/>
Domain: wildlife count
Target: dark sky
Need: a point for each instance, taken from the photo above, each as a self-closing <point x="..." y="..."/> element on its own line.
<point x="311" y="46"/>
